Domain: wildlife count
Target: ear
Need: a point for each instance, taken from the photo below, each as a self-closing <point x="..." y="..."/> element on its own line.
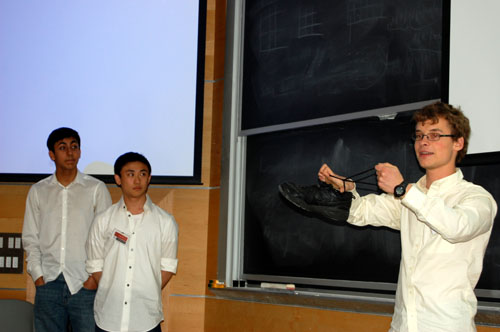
<point x="118" y="180"/>
<point x="458" y="144"/>
<point x="52" y="156"/>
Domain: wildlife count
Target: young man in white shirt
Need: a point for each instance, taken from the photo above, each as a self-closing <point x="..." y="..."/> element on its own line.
<point x="132" y="253"/>
<point x="444" y="220"/>
<point x="59" y="212"/>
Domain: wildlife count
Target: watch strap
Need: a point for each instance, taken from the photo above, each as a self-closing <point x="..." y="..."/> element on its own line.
<point x="400" y="189"/>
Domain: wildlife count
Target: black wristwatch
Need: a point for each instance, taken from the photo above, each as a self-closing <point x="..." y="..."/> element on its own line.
<point x="400" y="190"/>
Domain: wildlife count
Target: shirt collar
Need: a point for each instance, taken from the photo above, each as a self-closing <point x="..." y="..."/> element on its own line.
<point x="78" y="179"/>
<point x="147" y="206"/>
<point x="442" y="184"/>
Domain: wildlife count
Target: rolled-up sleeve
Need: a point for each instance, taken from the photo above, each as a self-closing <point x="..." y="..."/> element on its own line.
<point x="169" y="239"/>
<point x="95" y="246"/>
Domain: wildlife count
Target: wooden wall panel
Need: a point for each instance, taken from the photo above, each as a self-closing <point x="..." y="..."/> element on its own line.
<point x="13" y="200"/>
<point x="212" y="133"/>
<point x="13" y="294"/>
<point x="11" y="225"/>
<point x="213" y="130"/>
<point x="12" y="205"/>
<point x="185" y="314"/>
<point x="228" y="316"/>
<point x="190" y="208"/>
<point x="215" y="40"/>
<point x="213" y="234"/>
<point x="487" y="329"/>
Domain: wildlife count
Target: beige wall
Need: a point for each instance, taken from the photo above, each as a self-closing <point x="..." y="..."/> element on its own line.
<point x="189" y="306"/>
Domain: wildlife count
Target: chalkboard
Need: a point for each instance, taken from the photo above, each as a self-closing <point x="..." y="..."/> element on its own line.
<point x="311" y="59"/>
<point x="280" y="240"/>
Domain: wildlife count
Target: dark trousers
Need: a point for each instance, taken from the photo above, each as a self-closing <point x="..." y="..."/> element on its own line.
<point x="55" y="307"/>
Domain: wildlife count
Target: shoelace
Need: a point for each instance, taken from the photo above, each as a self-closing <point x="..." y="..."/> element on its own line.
<point x="370" y="171"/>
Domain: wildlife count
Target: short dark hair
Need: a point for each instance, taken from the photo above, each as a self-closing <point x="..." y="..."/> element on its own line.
<point x="61" y="133"/>
<point x="128" y="158"/>
<point x="459" y="123"/>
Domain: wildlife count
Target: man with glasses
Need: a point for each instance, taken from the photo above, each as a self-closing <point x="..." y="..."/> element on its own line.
<point x="444" y="220"/>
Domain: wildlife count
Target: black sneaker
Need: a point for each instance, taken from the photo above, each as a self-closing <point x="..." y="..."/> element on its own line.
<point x="321" y="194"/>
<point x="319" y="199"/>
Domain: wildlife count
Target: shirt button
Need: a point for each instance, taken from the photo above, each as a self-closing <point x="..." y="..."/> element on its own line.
<point x="130" y="267"/>
<point x="128" y="285"/>
<point x="132" y="249"/>
<point x="125" y="303"/>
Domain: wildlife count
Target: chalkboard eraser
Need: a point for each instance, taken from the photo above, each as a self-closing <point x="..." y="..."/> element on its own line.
<point x="277" y="286"/>
<point x="390" y="116"/>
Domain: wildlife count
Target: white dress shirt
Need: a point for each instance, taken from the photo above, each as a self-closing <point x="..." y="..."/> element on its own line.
<point x="444" y="234"/>
<point x="56" y="225"/>
<point x="131" y="253"/>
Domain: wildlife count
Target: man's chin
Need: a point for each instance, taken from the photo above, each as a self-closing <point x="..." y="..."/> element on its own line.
<point x="138" y="194"/>
<point x="70" y="167"/>
<point x="423" y="162"/>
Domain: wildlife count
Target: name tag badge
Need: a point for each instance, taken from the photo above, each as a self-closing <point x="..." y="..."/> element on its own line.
<point x="121" y="236"/>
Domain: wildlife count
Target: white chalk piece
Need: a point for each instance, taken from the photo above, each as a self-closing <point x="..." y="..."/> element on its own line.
<point x="277" y="286"/>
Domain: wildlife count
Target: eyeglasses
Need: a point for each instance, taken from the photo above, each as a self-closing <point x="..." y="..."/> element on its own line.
<point x="430" y="136"/>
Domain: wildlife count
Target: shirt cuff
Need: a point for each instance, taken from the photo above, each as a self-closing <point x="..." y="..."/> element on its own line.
<point x="94" y="265"/>
<point x="36" y="272"/>
<point x="414" y="198"/>
<point x="169" y="264"/>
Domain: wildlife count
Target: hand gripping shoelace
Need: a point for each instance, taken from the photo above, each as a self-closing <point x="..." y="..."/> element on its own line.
<point x="358" y="181"/>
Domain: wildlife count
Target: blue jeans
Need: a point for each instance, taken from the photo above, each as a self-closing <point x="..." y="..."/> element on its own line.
<point x="55" y="307"/>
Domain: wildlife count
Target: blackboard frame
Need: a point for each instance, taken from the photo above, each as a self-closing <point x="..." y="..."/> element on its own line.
<point x="294" y="78"/>
<point x="232" y="191"/>
<point x="283" y="255"/>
